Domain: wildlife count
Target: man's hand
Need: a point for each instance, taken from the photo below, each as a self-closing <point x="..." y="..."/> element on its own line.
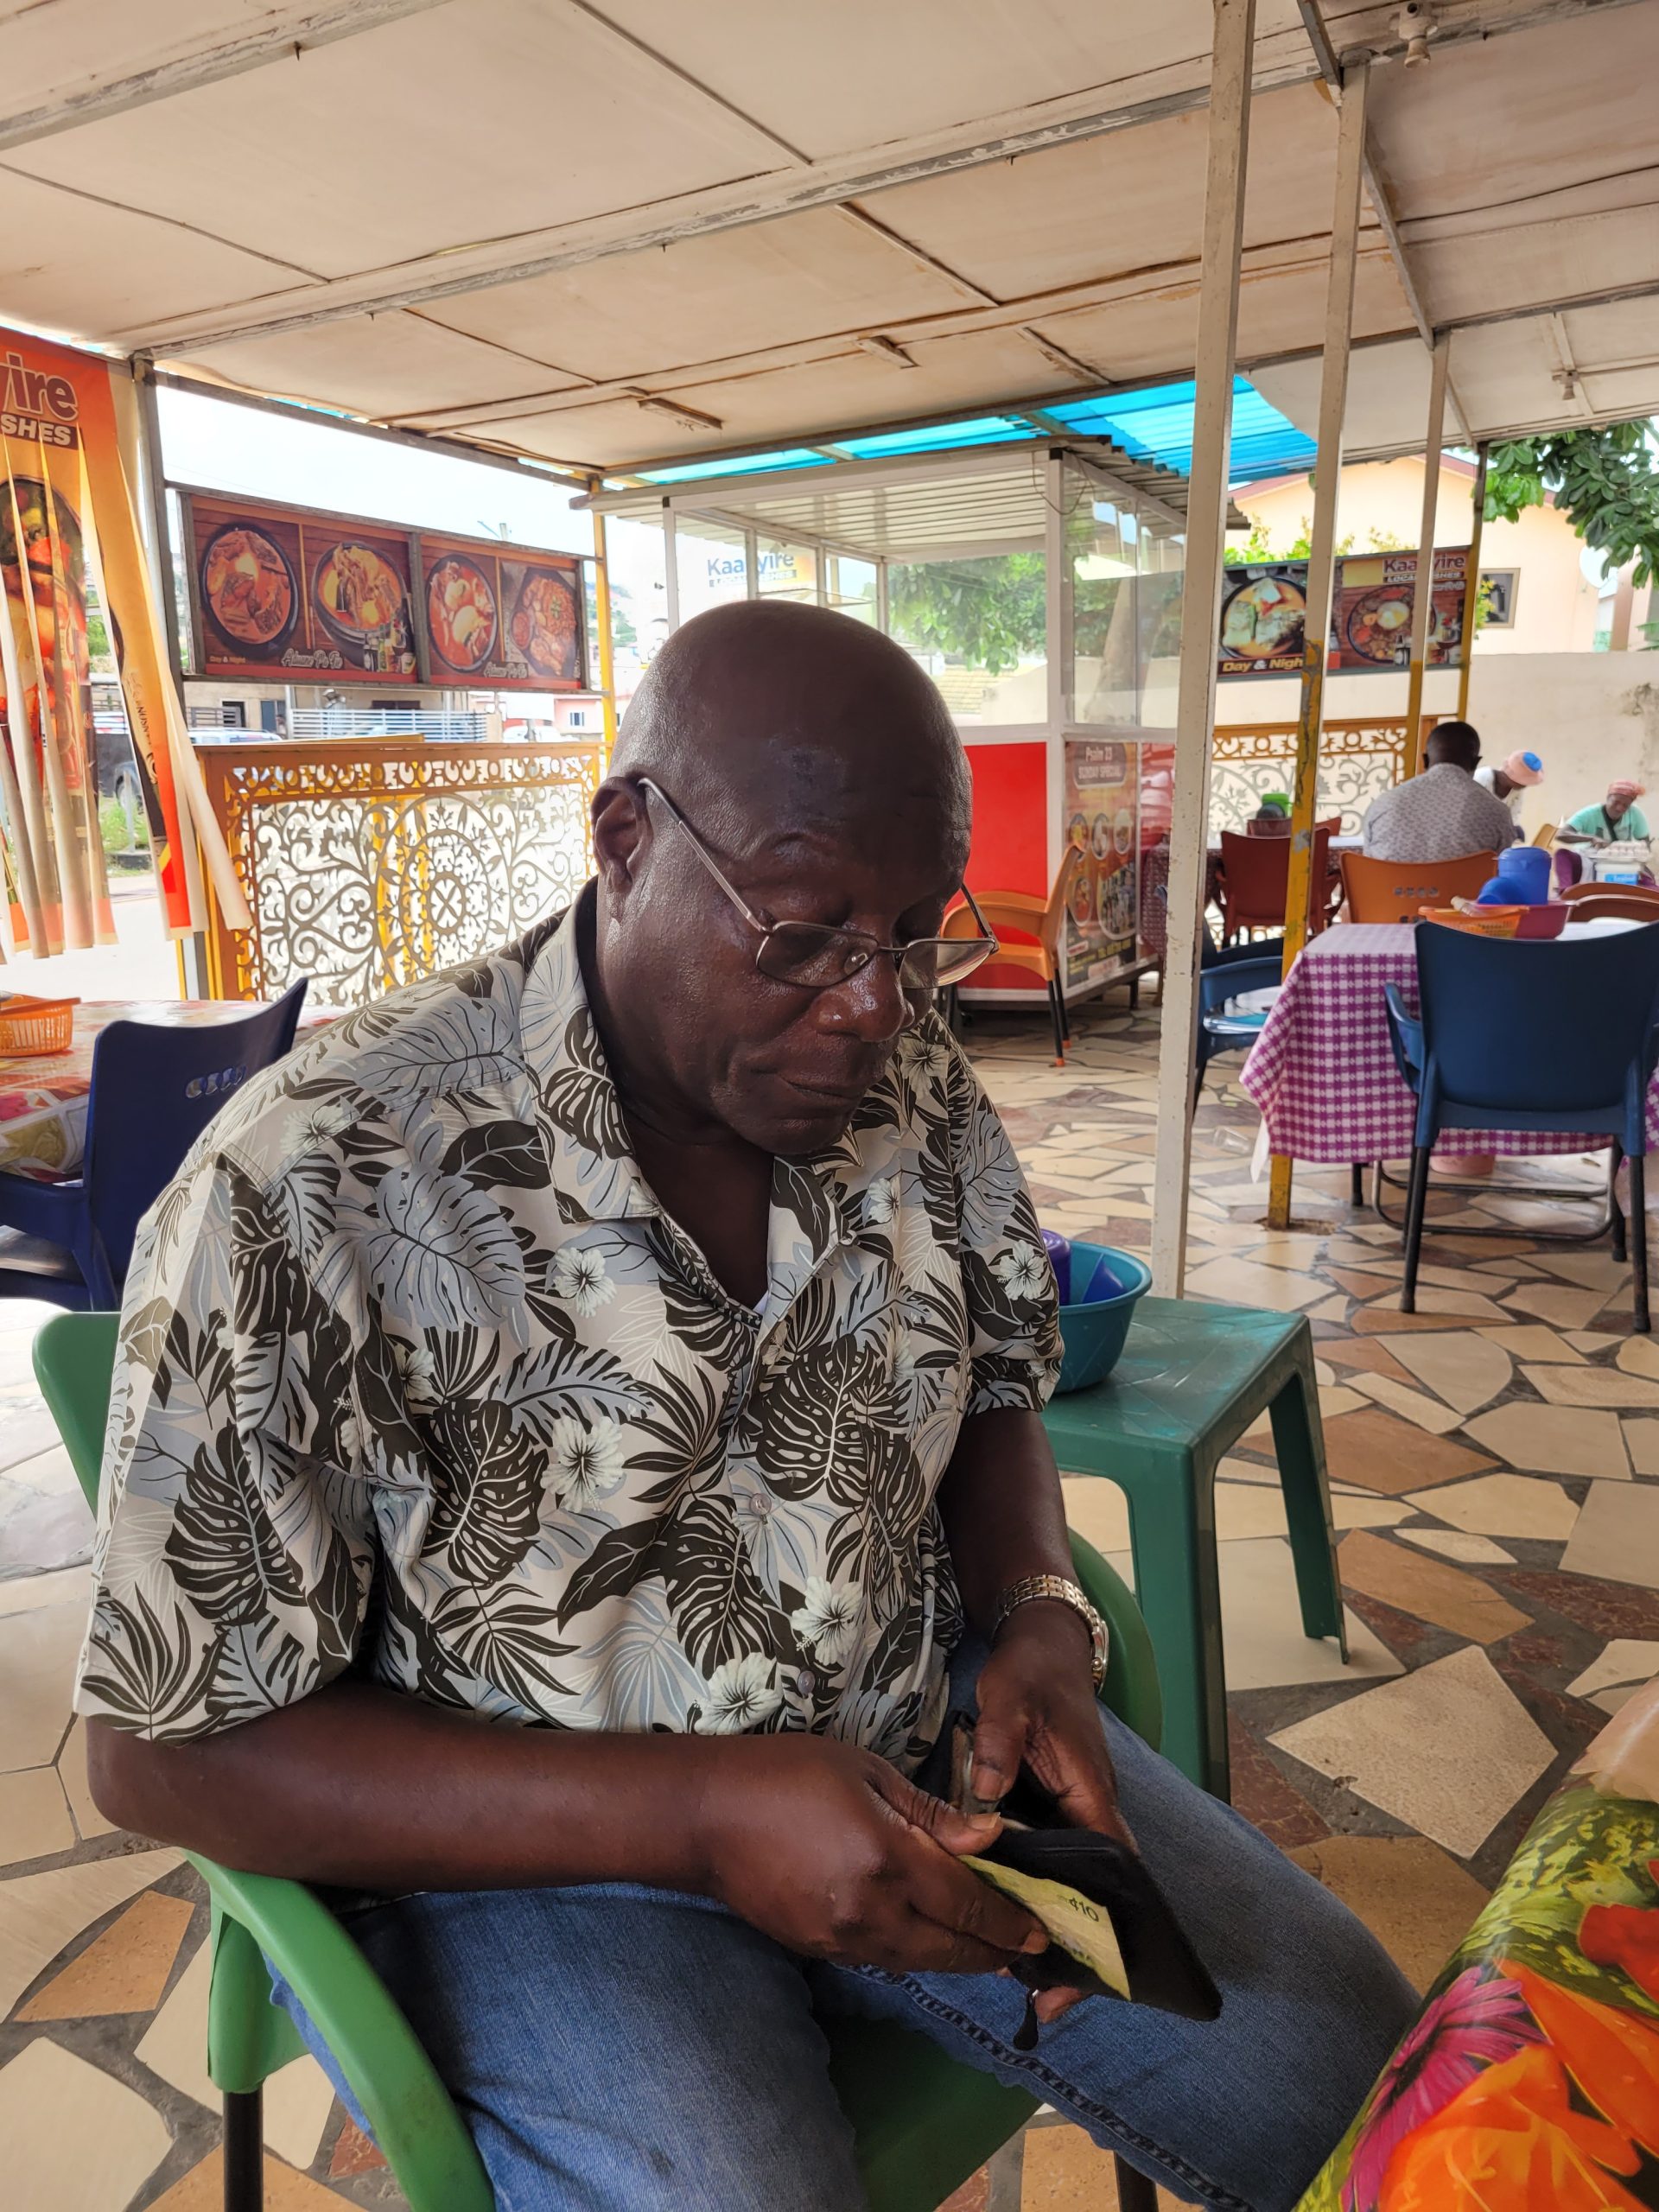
<point x="831" y="1851"/>
<point x="1037" y="1708"/>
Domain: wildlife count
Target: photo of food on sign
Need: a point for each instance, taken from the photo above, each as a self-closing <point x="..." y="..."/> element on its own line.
<point x="503" y="618"/>
<point x="1262" y="619"/>
<point x="279" y="591"/>
<point x="1371" y="610"/>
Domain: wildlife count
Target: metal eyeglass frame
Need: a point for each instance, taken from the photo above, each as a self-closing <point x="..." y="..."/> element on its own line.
<point x="983" y="947"/>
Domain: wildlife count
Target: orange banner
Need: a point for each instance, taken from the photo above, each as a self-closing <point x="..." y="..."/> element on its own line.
<point x="67" y="512"/>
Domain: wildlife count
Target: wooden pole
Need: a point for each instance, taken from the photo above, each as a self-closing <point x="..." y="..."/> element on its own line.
<point x="1472" y="583"/>
<point x="1422" y="604"/>
<point x="1207" y="524"/>
<point x="1321" y="560"/>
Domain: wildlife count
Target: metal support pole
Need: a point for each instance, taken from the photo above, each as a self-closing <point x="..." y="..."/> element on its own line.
<point x="1422" y="606"/>
<point x="1471" y="582"/>
<point x="602" y="619"/>
<point x="670" y="570"/>
<point x="1195" y="715"/>
<point x="1321" y="560"/>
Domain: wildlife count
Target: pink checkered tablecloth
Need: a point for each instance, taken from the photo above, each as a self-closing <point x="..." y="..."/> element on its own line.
<point x="1322" y="1070"/>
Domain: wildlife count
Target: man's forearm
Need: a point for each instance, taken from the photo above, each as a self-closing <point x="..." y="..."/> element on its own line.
<point x="362" y="1787"/>
<point x="1003" y="1511"/>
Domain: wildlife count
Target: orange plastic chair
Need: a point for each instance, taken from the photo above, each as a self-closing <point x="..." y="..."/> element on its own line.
<point x="1041" y="919"/>
<point x="1396" y="890"/>
<point x="1636" y="894"/>
<point x="1255" y="878"/>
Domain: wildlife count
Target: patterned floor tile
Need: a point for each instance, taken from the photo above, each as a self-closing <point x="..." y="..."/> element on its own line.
<point x="1503" y="1505"/>
<point x="1616" y="1537"/>
<point x="38" y="1652"/>
<point x="1463" y="1367"/>
<point x="1417" y="1901"/>
<point x="1065" y="2172"/>
<point x="1427" y="1589"/>
<point x="1452" y="1543"/>
<point x="41" y="1913"/>
<point x="123" y="1970"/>
<point x="76" y="2140"/>
<point x="1382" y="1453"/>
<point x="1552" y="1439"/>
<point x="1369" y="1353"/>
<point x="1624" y="1666"/>
<point x="202" y="2190"/>
<point x="1447" y="1749"/>
<point x="34" y="1821"/>
<point x="1411" y="1405"/>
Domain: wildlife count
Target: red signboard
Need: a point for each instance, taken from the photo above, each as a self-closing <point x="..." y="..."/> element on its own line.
<point x="287" y="594"/>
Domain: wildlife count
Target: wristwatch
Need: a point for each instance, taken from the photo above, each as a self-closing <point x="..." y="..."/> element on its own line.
<point x="1032" y="1586"/>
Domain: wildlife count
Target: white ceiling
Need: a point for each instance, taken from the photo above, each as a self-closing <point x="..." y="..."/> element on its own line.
<point x="516" y="221"/>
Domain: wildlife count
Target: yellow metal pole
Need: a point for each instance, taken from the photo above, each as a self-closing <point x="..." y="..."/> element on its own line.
<point x="1472" y="583"/>
<point x="1321" y="560"/>
<point x="606" y="648"/>
<point x="1422" y="604"/>
<point x="1206" y="526"/>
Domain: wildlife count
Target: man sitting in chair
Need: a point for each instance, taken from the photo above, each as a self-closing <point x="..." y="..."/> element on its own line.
<point x="1443" y="813"/>
<point x="578" y="1423"/>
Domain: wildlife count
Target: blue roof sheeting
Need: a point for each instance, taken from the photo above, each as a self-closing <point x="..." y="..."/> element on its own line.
<point x="1154" y="426"/>
<point x="1157" y="426"/>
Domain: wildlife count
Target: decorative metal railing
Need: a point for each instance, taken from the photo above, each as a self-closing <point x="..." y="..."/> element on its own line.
<point x="1358" y="758"/>
<point x="368" y="864"/>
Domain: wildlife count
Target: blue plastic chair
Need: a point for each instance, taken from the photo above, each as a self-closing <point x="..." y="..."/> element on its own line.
<point x="1228" y="972"/>
<point x="154" y="1088"/>
<point x="1529" y="1035"/>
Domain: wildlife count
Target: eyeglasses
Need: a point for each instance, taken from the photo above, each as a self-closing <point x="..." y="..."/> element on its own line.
<point x="817" y="956"/>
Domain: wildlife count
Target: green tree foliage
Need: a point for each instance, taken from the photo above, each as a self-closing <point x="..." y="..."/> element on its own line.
<point x="1257" y="546"/>
<point x="990" y="613"/>
<point x="1606" y="483"/>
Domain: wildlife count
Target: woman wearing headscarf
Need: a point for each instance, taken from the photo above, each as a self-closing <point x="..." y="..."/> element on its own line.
<point x="1617" y="817"/>
<point x="1508" y="778"/>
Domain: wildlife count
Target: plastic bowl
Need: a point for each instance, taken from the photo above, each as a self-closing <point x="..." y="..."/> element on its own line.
<point x="1547" y="918"/>
<point x="1094" y="1334"/>
<point x="1486" y="921"/>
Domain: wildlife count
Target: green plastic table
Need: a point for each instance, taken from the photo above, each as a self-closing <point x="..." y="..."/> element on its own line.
<point x="1192" y="1378"/>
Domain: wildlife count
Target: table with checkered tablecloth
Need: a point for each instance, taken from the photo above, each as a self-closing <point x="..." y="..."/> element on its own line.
<point x="1322" y="1070"/>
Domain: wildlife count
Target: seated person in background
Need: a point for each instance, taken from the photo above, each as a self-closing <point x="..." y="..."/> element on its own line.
<point x="1510" y="778"/>
<point x="1616" y="817"/>
<point x="1443" y="813"/>
<point x="579" y="1426"/>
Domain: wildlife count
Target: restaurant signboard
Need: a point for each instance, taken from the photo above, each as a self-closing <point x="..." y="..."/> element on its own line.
<point x="281" y="594"/>
<point x="1264" y="605"/>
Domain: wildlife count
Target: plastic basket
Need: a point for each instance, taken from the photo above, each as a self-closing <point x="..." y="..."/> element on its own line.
<point x="30" y="1025"/>
<point x="1484" y="921"/>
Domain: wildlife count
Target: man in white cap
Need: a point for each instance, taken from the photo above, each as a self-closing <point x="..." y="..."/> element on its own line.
<point x="1510" y="777"/>
<point x="1615" y="818"/>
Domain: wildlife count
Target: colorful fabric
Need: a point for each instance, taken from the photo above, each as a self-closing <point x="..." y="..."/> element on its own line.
<point x="411" y="1328"/>
<point x="1530" y="2080"/>
<point x="1322" y="1070"/>
<point x="1439" y="816"/>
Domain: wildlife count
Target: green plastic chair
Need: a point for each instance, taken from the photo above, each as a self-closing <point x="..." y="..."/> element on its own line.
<point x="1192" y="1378"/>
<point x="924" y="2122"/>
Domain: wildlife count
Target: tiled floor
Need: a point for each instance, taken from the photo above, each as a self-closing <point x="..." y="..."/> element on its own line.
<point x="1494" y="1459"/>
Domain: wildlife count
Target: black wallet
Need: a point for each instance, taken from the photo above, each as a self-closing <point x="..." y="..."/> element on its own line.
<point x="1106" y="1879"/>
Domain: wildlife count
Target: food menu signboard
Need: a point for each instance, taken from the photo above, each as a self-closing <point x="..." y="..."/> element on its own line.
<point x="501" y="619"/>
<point x="1370" y="613"/>
<point x="284" y="594"/>
<point x="278" y="592"/>
<point x="1264" y="606"/>
<point x="1101" y="789"/>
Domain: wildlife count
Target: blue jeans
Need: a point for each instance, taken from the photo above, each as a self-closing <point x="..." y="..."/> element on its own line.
<point x="616" y="2048"/>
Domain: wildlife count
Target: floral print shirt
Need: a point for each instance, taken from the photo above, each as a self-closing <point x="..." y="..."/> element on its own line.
<point x="418" y="1378"/>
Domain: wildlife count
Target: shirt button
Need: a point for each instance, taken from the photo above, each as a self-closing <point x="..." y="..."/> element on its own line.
<point x="760" y="1506"/>
<point x="806" y="1682"/>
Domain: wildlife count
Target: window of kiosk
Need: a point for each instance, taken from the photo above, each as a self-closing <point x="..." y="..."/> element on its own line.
<point x="784" y="571"/>
<point x="1161" y="572"/>
<point x="979" y="627"/>
<point x="635" y="563"/>
<point x="849" y="585"/>
<point x="711" y="563"/>
<point x="1102" y="542"/>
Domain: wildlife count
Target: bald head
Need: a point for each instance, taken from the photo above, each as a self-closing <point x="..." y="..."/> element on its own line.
<point x="819" y="771"/>
<point x="778" y="712"/>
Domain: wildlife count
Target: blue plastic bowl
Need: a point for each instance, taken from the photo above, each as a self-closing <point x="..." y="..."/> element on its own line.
<point x="1094" y="1334"/>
